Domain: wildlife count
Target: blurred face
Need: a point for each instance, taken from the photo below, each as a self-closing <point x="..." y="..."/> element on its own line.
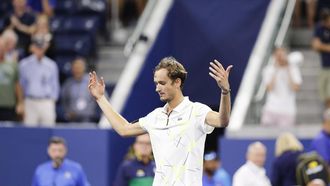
<point x="281" y="57"/>
<point x="210" y="166"/>
<point x="39" y="52"/>
<point x="19" y="4"/>
<point x="327" y="23"/>
<point x="142" y="146"/>
<point x="78" y="69"/>
<point x="257" y="155"/>
<point x="57" y="152"/>
<point x="165" y="87"/>
<point x="42" y="24"/>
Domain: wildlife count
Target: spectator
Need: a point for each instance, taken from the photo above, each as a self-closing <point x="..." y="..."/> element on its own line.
<point x="138" y="168"/>
<point x="314" y="9"/>
<point x="252" y="173"/>
<point x="11" y="96"/>
<point x="21" y="21"/>
<point x="321" y="43"/>
<point x="41" y="30"/>
<point x="282" y="80"/>
<point x="287" y="150"/>
<point x="40" y="82"/>
<point x="214" y="174"/>
<point x="42" y="6"/>
<point x="78" y="104"/>
<point x="316" y="182"/>
<point x="59" y="170"/>
<point x="321" y="143"/>
<point x="10" y="40"/>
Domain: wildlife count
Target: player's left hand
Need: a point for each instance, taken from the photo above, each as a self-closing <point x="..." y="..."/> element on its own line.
<point x="220" y="75"/>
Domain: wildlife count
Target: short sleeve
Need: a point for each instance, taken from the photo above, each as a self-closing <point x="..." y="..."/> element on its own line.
<point x="147" y="120"/>
<point x="318" y="32"/>
<point x="201" y="111"/>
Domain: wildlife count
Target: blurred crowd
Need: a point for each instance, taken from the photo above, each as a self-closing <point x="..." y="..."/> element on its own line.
<point x="34" y="88"/>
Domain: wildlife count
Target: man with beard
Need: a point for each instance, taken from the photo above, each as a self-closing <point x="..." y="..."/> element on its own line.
<point x="59" y="170"/>
<point x="214" y="174"/>
<point x="178" y="130"/>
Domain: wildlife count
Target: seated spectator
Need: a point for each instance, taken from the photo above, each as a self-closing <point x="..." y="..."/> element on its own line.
<point x="10" y="40"/>
<point x="40" y="82"/>
<point x="214" y="174"/>
<point x="78" y="104"/>
<point x="321" y="143"/>
<point x="42" y="6"/>
<point x="282" y="80"/>
<point x="59" y="170"/>
<point x="21" y="21"/>
<point x="287" y="150"/>
<point x="11" y="96"/>
<point x="139" y="166"/>
<point x="253" y="173"/>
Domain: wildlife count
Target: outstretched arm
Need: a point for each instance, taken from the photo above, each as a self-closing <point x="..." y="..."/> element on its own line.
<point x="220" y="75"/>
<point x="120" y="125"/>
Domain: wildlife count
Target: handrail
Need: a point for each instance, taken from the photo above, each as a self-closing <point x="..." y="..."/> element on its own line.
<point x="138" y="31"/>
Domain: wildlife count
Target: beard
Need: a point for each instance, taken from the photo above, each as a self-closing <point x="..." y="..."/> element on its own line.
<point x="57" y="162"/>
<point x="210" y="172"/>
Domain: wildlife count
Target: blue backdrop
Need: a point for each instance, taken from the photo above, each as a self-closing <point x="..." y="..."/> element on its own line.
<point x="196" y="32"/>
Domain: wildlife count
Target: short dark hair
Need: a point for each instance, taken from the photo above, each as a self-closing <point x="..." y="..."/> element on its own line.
<point x="56" y="140"/>
<point x="325" y="14"/>
<point x="174" y="68"/>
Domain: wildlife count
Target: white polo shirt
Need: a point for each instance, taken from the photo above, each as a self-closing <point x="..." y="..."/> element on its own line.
<point x="178" y="141"/>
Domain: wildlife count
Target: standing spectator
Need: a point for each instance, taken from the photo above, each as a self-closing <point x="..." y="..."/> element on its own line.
<point x="321" y="43"/>
<point x="21" y="21"/>
<point x="10" y="40"/>
<point x="41" y="30"/>
<point x="40" y="82"/>
<point x="214" y="174"/>
<point x="78" y="104"/>
<point x="253" y="173"/>
<point x="11" y="96"/>
<point x="59" y="170"/>
<point x="287" y="150"/>
<point x="314" y="9"/>
<point x="321" y="143"/>
<point x="139" y="168"/>
<point x="42" y="6"/>
<point x="282" y="80"/>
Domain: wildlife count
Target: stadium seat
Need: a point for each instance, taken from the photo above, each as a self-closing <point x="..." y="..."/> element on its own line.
<point x="75" y="24"/>
<point x="78" y="44"/>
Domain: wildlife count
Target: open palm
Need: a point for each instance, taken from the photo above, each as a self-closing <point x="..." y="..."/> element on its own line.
<point x="96" y="86"/>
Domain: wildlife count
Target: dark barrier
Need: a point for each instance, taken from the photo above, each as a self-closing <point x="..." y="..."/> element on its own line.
<point x="196" y="32"/>
<point x="22" y="149"/>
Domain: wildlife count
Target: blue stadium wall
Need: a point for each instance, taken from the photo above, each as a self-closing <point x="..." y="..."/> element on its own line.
<point x="196" y="32"/>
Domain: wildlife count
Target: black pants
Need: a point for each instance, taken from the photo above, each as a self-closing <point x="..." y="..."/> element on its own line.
<point x="8" y="114"/>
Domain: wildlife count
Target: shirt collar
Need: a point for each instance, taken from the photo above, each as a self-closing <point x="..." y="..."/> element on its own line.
<point x="255" y="168"/>
<point x="179" y="107"/>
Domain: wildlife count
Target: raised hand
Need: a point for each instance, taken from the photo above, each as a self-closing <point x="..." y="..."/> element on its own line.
<point x="220" y="75"/>
<point x="96" y="86"/>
